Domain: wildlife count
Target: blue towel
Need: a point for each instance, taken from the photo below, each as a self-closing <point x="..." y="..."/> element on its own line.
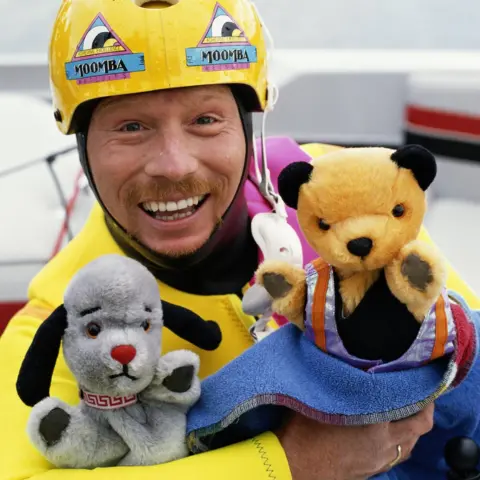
<point x="287" y="371"/>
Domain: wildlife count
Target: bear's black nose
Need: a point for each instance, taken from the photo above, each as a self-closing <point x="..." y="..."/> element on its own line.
<point x="360" y="246"/>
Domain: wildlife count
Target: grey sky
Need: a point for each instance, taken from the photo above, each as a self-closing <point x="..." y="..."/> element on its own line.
<point x="439" y="24"/>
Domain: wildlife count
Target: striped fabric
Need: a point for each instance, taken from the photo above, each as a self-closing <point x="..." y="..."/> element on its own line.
<point x="435" y="338"/>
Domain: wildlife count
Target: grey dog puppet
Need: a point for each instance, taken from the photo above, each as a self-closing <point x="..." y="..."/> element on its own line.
<point x="133" y="400"/>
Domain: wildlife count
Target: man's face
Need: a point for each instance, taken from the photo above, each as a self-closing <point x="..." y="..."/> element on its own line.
<point x="167" y="164"/>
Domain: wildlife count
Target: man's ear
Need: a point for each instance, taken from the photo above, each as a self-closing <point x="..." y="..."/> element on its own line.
<point x="420" y="161"/>
<point x="291" y="178"/>
<point x="35" y="376"/>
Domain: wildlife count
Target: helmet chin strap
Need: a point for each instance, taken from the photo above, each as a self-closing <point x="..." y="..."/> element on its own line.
<point x="276" y="239"/>
<point x="274" y="236"/>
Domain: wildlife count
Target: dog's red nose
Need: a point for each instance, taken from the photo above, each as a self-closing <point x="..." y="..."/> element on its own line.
<point x="123" y="354"/>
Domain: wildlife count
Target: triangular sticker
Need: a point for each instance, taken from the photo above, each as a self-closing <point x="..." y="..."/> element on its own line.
<point x="99" y="40"/>
<point x="102" y="56"/>
<point x="223" y="29"/>
<point x="223" y="46"/>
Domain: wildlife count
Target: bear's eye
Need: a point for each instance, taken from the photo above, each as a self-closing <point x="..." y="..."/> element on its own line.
<point x="323" y="224"/>
<point x="146" y="325"/>
<point x="93" y="330"/>
<point x="398" y="210"/>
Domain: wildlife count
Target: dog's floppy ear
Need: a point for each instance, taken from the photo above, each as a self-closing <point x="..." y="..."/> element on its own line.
<point x="35" y="375"/>
<point x="419" y="160"/>
<point x="291" y="178"/>
<point x="191" y="327"/>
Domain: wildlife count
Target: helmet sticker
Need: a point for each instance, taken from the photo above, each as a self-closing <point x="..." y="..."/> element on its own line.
<point x="102" y="56"/>
<point x="224" y="45"/>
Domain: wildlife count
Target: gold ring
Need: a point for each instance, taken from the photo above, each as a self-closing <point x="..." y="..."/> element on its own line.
<point x="397" y="459"/>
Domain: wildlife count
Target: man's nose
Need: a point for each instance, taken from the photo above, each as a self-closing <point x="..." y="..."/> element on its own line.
<point x="172" y="160"/>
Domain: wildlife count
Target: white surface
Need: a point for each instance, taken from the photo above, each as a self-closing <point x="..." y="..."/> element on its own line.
<point x="455" y="227"/>
<point x="341" y="108"/>
<point x="32" y="212"/>
<point x="28" y="130"/>
<point x="289" y="63"/>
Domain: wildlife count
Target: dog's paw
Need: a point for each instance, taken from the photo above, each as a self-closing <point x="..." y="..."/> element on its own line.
<point x="47" y="422"/>
<point x="53" y="425"/>
<point x="180" y="380"/>
<point x="176" y="379"/>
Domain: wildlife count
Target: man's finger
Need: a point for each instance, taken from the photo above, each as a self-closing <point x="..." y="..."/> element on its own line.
<point x="405" y="454"/>
<point x="413" y="427"/>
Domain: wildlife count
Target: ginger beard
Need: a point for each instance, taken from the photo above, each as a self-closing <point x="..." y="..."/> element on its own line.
<point x="174" y="219"/>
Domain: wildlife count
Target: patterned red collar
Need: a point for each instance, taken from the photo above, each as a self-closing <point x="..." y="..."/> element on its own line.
<point x="105" y="402"/>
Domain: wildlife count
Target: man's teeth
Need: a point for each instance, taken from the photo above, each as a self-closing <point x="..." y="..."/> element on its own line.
<point x="172" y="206"/>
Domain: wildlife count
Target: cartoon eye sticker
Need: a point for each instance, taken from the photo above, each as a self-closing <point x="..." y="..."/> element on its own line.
<point x="99" y="37"/>
<point x="224" y="26"/>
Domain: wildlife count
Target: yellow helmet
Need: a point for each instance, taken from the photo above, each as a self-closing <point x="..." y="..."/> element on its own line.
<point x="102" y="48"/>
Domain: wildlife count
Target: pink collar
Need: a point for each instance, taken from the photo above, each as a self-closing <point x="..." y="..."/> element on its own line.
<point x="105" y="402"/>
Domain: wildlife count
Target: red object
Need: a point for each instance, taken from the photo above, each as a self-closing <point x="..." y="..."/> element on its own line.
<point x="445" y="121"/>
<point x="466" y="343"/>
<point x="7" y="311"/>
<point x="123" y="354"/>
<point x="69" y="208"/>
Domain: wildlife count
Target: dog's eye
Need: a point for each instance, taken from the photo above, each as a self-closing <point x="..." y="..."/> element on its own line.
<point x="398" y="210"/>
<point x="146" y="325"/>
<point x="323" y="224"/>
<point x="93" y="330"/>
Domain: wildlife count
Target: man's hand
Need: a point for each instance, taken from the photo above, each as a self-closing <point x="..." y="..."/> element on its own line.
<point x="318" y="451"/>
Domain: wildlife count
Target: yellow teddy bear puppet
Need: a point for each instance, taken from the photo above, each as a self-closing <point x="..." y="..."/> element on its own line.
<point x="379" y="337"/>
<point x="361" y="210"/>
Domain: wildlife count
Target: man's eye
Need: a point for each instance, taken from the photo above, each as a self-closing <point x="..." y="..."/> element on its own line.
<point x="131" y="127"/>
<point x="205" y="120"/>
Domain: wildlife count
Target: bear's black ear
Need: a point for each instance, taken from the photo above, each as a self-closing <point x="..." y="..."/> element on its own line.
<point x="419" y="160"/>
<point x="291" y="178"/>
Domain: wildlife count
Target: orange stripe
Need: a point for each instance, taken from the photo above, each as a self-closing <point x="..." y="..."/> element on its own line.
<point x="34" y="311"/>
<point x="441" y="329"/>
<point x="318" y="307"/>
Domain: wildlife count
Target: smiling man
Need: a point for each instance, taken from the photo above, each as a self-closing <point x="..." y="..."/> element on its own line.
<point x="169" y="179"/>
<point x="160" y="96"/>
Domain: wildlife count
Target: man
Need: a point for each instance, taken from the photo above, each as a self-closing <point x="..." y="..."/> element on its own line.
<point x="160" y="96"/>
